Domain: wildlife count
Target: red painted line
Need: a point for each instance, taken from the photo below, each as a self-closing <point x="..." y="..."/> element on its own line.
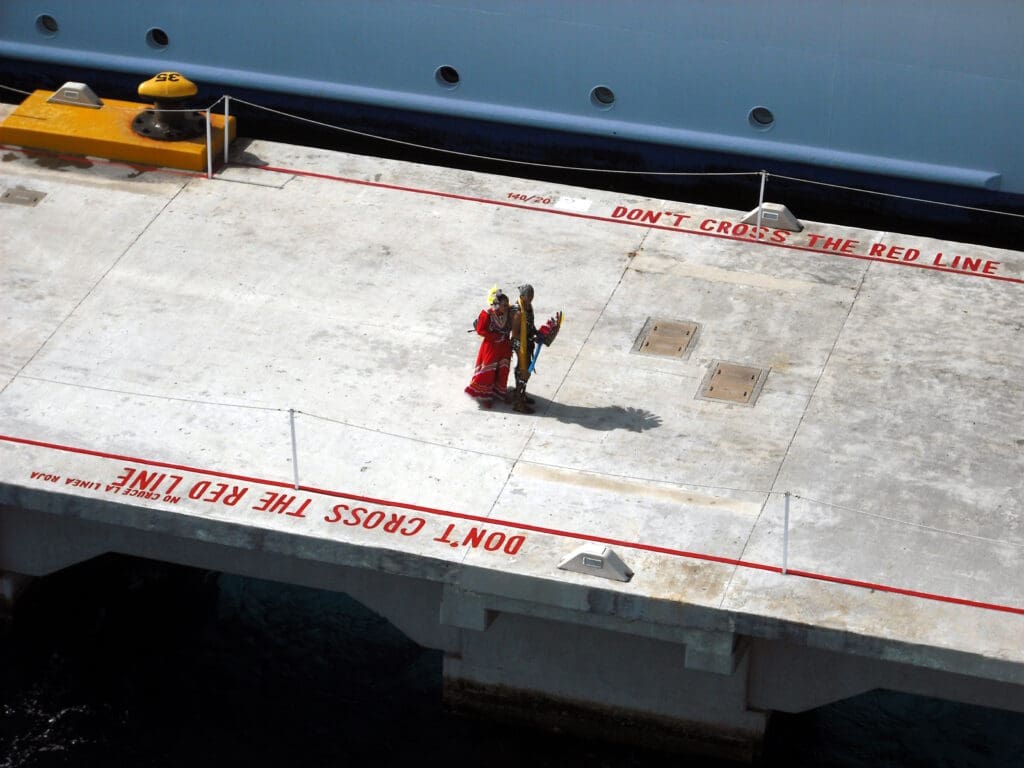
<point x="532" y="528"/>
<point x="503" y="203"/>
<point x="626" y="222"/>
<point x="907" y="592"/>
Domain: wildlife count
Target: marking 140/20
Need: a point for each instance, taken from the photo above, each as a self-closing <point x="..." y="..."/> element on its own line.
<point x="536" y="199"/>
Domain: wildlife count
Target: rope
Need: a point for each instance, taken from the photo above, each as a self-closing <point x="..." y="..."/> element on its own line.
<point x="15" y="90"/>
<point x="922" y="526"/>
<point x="572" y="168"/>
<point x="548" y="166"/>
<point x="489" y="158"/>
<point x="619" y="172"/>
<point x="549" y="465"/>
<point x="898" y="197"/>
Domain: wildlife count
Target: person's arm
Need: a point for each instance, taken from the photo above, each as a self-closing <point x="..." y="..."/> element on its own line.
<point x="483" y="323"/>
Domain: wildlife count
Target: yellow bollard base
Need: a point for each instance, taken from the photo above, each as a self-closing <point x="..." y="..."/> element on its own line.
<point x="106" y="132"/>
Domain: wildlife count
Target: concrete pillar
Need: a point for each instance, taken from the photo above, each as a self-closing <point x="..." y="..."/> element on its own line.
<point x="37" y="544"/>
<point x="595" y="681"/>
<point x="11" y="586"/>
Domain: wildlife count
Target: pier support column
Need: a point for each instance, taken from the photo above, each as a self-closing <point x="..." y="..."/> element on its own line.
<point x="592" y="681"/>
<point x="11" y="586"/>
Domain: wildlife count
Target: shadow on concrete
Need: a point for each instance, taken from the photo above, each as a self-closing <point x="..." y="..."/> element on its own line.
<point x="603" y="418"/>
<point x="240" y="154"/>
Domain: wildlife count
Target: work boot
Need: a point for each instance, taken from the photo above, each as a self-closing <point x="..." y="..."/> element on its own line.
<point x="521" y="405"/>
<point x="520" y="393"/>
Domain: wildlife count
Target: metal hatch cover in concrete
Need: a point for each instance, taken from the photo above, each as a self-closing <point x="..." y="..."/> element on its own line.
<point x="732" y="383"/>
<point x="164" y="336"/>
<point x="666" y="337"/>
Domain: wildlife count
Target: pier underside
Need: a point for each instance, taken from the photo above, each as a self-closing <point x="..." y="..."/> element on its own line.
<point x="579" y="671"/>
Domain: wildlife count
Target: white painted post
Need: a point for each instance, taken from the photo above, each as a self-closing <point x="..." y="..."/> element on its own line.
<point x="785" y="537"/>
<point x="227" y="121"/>
<point x="295" y="453"/>
<point x="760" y="202"/>
<point x="209" y="146"/>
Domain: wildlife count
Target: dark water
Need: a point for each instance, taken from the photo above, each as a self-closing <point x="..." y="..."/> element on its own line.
<point x="124" y="662"/>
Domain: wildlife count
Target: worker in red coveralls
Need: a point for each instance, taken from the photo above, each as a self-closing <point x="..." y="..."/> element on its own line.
<point x="490" y="377"/>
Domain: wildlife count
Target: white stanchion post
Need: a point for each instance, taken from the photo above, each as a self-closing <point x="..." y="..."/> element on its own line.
<point x="785" y="537"/>
<point x="295" y="453"/>
<point x="760" y="202"/>
<point x="209" y="146"/>
<point x="227" y="121"/>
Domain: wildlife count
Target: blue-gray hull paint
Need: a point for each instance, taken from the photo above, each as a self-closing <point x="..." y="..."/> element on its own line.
<point x="916" y="98"/>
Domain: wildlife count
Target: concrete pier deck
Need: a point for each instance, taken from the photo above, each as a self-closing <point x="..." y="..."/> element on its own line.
<point x="179" y="353"/>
